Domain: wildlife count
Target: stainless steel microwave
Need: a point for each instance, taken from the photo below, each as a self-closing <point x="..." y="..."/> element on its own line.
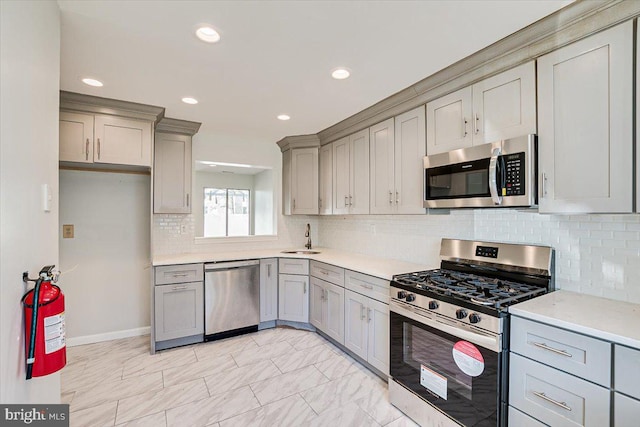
<point x="498" y="174"/>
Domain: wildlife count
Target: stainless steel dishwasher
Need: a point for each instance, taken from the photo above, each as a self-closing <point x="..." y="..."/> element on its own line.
<point x="231" y="298"/>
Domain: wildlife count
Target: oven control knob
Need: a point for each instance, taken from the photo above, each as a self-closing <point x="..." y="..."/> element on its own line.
<point x="461" y="313"/>
<point x="402" y="294"/>
<point x="474" y="318"/>
<point x="411" y="297"/>
<point x="433" y="305"/>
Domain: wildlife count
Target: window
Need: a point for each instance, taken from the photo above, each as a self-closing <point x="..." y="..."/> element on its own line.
<point x="226" y="212"/>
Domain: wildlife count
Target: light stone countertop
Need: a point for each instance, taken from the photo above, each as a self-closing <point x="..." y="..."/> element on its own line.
<point x="374" y="266"/>
<point x="610" y="320"/>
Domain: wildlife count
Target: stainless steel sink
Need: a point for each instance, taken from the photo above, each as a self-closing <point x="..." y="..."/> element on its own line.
<point x="301" y="252"/>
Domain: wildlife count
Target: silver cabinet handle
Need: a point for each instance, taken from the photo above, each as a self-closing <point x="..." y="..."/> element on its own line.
<point x="180" y="274"/>
<point x="179" y="288"/>
<point x="390" y="197"/>
<point x="477" y="124"/>
<point x="464" y="127"/>
<point x="544" y="184"/>
<point x="268" y="270"/>
<point x="319" y="202"/>
<point x="543" y="396"/>
<point x="187" y="199"/>
<point x="294" y="204"/>
<point x="346" y="201"/>
<point x="366" y="286"/>
<point x="493" y="179"/>
<point x="554" y="350"/>
<point x="98" y="148"/>
<point x="362" y="315"/>
<point x="305" y="288"/>
<point x="86" y="150"/>
<point x="397" y="197"/>
<point x="350" y="201"/>
<point x="368" y="315"/>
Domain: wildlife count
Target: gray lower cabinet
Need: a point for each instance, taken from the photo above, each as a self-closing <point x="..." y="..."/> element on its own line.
<point x="178" y="307"/>
<point x="626" y="411"/>
<point x="268" y="289"/>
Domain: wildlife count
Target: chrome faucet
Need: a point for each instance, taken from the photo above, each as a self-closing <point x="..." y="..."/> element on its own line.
<point x="307" y="234"/>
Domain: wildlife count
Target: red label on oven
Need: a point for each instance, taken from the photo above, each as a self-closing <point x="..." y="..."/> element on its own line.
<point x="468" y="358"/>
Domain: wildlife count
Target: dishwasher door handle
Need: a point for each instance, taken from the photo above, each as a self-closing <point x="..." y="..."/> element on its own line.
<point x="228" y="265"/>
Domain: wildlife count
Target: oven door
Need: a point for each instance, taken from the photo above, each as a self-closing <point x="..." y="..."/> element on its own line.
<point x="453" y="370"/>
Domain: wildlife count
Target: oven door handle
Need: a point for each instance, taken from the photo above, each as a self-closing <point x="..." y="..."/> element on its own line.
<point x="493" y="176"/>
<point x="491" y="342"/>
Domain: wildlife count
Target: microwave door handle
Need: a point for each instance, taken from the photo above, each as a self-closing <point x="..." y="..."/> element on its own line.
<point x="493" y="176"/>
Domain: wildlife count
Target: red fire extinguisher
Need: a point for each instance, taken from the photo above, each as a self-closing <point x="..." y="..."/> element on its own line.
<point x="46" y="348"/>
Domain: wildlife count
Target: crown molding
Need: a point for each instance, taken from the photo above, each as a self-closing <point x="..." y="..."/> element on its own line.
<point x="77" y="102"/>
<point x="177" y="126"/>
<point x="298" y="141"/>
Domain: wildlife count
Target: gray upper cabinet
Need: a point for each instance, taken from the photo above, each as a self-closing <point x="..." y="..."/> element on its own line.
<point x="499" y="107"/>
<point x="304" y="181"/>
<point x="585" y="125"/>
<point x="173" y="166"/>
<point x="351" y="174"/>
<point x="325" y="201"/>
<point x="172" y="174"/>
<point x="381" y="142"/>
<point x="76" y="137"/>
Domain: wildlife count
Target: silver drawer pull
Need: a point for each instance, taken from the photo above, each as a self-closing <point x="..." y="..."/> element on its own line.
<point x="366" y="286"/>
<point x="324" y="272"/>
<point x="554" y="350"/>
<point x="180" y="274"/>
<point x="179" y="288"/>
<point x="543" y="396"/>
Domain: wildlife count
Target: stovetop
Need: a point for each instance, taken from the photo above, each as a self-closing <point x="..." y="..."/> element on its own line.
<point x="460" y="287"/>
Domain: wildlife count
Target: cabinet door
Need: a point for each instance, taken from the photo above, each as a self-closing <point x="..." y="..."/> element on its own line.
<point x="381" y="140"/>
<point x="286" y="182"/>
<point x="341" y="176"/>
<point x="504" y="106"/>
<point x="410" y="149"/>
<point x="626" y="411"/>
<point x="448" y="122"/>
<point x="317" y="304"/>
<point x="268" y="289"/>
<point x="293" y="298"/>
<point x="355" y="326"/>
<point x="359" y="172"/>
<point x="76" y="137"/>
<point x="122" y="141"/>
<point x="334" y="312"/>
<point x="325" y="202"/>
<point x="172" y="174"/>
<point x="304" y="181"/>
<point x="378" y="344"/>
<point x="585" y="124"/>
<point x="179" y="310"/>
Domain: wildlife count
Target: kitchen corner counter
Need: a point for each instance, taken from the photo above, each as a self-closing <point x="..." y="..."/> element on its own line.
<point x="374" y="266"/>
<point x="611" y="320"/>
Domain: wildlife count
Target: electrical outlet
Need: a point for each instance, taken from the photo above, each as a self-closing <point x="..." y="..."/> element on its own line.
<point x="183" y="229"/>
<point x="67" y="231"/>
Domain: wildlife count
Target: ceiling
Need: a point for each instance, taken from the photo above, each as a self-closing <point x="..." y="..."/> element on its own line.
<point x="274" y="57"/>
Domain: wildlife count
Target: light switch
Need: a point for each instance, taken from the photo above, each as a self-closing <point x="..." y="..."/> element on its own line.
<point x="67" y="231"/>
<point x="46" y="197"/>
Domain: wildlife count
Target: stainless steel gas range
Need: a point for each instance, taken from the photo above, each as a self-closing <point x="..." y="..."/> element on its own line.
<point x="449" y="329"/>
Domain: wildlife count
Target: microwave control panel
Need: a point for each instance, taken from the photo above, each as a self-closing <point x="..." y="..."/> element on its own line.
<point x="515" y="173"/>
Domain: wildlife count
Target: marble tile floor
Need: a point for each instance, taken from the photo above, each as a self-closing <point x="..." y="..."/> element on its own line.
<point x="274" y="377"/>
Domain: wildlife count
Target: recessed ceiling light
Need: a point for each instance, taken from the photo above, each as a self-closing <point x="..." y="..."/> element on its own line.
<point x="92" y="82"/>
<point x="208" y="34"/>
<point x="283" y="117"/>
<point x="340" y="73"/>
<point x="188" y="100"/>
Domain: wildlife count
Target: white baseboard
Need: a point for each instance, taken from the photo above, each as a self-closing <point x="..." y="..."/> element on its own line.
<point x="108" y="336"/>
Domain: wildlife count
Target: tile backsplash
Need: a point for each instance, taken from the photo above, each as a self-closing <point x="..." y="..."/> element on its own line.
<point x="595" y="254"/>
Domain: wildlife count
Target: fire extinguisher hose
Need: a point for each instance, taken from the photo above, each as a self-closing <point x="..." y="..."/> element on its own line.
<point x="34" y="328"/>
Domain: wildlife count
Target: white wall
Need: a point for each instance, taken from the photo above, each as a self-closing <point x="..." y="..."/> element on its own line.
<point x="263" y="202"/>
<point x="106" y="266"/>
<point x="29" y="84"/>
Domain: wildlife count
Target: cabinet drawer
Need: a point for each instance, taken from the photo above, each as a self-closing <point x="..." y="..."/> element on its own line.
<point x="327" y="272"/>
<point x="626" y="411"/>
<point x="554" y="397"/>
<point x="586" y="357"/>
<point x="370" y="286"/>
<point x="627" y="371"/>
<point x="293" y="266"/>
<point x="182" y="273"/>
<point x="518" y="419"/>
